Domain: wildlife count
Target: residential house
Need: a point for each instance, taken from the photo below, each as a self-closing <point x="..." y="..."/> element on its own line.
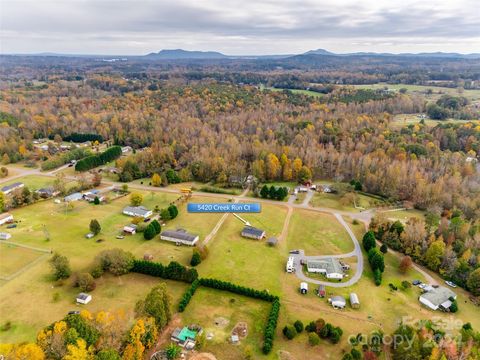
<point x="338" y="302"/>
<point x="179" y="236"/>
<point x="438" y="298"/>
<point x="330" y="267"/>
<point x="73" y="197"/>
<point x="12" y="187"/>
<point x="186" y="336"/>
<point x="6" y="218"/>
<point x="138" y="211"/>
<point x="354" y="302"/>
<point x="91" y="197"/>
<point x="84" y="298"/>
<point x="253" y="233"/>
<point x="47" y="192"/>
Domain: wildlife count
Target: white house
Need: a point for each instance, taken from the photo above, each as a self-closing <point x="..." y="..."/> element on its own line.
<point x="330" y="267"/>
<point x="438" y="298"/>
<point x="5" y="236"/>
<point x="179" y="236"/>
<point x="138" y="211"/>
<point x="84" y="298"/>
<point x="5" y="218"/>
<point x="338" y="302"/>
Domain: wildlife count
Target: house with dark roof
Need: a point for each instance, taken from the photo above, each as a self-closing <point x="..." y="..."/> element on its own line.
<point x="253" y="233"/>
<point x="12" y="187"/>
<point x="47" y="192"/>
<point x="179" y="236"/>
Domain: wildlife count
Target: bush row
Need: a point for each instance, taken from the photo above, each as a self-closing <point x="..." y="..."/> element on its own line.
<point x="238" y="289"/>
<point x="188" y="295"/>
<point x="269" y="332"/>
<point x="63" y="158"/>
<point x="93" y="161"/>
<point x="173" y="271"/>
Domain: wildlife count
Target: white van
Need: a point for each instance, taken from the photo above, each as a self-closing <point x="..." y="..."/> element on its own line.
<point x="290" y="268"/>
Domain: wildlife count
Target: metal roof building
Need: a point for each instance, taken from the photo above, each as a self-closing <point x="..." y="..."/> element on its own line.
<point x="179" y="236"/>
<point x="438" y="298"/>
<point x="253" y="233"/>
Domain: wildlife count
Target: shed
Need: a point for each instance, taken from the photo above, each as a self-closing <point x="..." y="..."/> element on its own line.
<point x="84" y="298"/>
<point x="303" y="288"/>
<point x="354" y="302"/>
<point x="130" y="229"/>
<point x="321" y="291"/>
<point x="73" y="197"/>
<point x="272" y="241"/>
<point x="5" y="236"/>
<point x="5" y="218"/>
<point x="338" y="302"/>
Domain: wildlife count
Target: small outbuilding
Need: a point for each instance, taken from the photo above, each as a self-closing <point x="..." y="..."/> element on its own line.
<point x="354" y="302"/>
<point x="6" y="218"/>
<point x="338" y="302"/>
<point x="5" y="236"/>
<point x="321" y="291"/>
<point x="272" y="241"/>
<point x="84" y="298"/>
<point x="303" y="288"/>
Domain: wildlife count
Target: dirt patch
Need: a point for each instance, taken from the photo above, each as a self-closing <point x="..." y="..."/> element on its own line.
<point x="221" y="322"/>
<point x="203" y="356"/>
<point x="164" y="338"/>
<point x="285" y="355"/>
<point x="241" y="329"/>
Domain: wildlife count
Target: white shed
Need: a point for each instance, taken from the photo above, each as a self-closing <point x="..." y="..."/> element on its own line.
<point x="338" y="302"/>
<point x="84" y="298"/>
<point x="354" y="302"/>
<point x="303" y="287"/>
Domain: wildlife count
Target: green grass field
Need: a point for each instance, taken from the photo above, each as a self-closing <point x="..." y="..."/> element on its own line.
<point x="333" y="201"/>
<point x="15" y="258"/>
<point x="317" y="234"/>
<point x="295" y="91"/>
<point x="35" y="182"/>
<point x="402" y="120"/>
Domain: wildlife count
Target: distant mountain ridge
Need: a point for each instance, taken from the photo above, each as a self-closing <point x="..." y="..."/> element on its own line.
<point x="171" y="54"/>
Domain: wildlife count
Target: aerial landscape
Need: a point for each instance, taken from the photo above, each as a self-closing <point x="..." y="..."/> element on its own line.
<point x="238" y="180"/>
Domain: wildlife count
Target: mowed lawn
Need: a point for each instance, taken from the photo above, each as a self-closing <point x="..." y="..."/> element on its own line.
<point x="35" y="182"/>
<point x="67" y="229"/>
<point x="332" y="201"/>
<point x="218" y="312"/>
<point x="15" y="258"/>
<point x="246" y="261"/>
<point x="318" y="234"/>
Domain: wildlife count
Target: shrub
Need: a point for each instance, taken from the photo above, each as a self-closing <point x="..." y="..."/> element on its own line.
<point x="95" y="227"/>
<point x="173" y="211"/>
<point x="85" y="282"/>
<point x="298" y="326"/>
<point x="377" y="276"/>
<point x="311" y="327"/>
<point x="289" y="332"/>
<point x="196" y="259"/>
<point x="93" y="161"/>
<point x="188" y="295"/>
<point x="136" y="199"/>
<point x="157" y="226"/>
<point x="60" y="266"/>
<point x="173" y="271"/>
<point x="406" y="284"/>
<point x="313" y="339"/>
<point x="116" y="261"/>
<point x="369" y="241"/>
<point x="270" y="327"/>
<point x="149" y="232"/>
<point x="454" y="306"/>
<point x="384" y="248"/>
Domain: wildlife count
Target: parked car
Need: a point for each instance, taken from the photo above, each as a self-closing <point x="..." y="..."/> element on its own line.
<point x="451" y="284"/>
<point x="416" y="282"/>
<point x="120" y="237"/>
<point x="74" y="312"/>
<point x="295" y="252"/>
<point x="90" y="235"/>
<point x="11" y="226"/>
<point x="423" y="286"/>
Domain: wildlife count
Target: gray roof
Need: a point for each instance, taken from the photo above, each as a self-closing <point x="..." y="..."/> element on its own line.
<point x="439" y="295"/>
<point x="354" y="299"/>
<point x="249" y="230"/>
<point x="272" y="240"/>
<point x="339" y="299"/>
<point x="139" y="210"/>
<point x="74" y="196"/>
<point x="82" y="296"/>
<point x="330" y="265"/>
<point x="47" y="190"/>
<point x="179" y="234"/>
<point x="12" y="186"/>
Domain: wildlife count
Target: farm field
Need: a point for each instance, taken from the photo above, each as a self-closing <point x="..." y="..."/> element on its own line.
<point x="35" y="182"/>
<point x="15" y="258"/>
<point x="332" y="201"/>
<point x="402" y="120"/>
<point x="296" y="91"/>
<point x="403" y="215"/>
<point x="437" y="91"/>
<point x="66" y="231"/>
<point x="317" y="234"/>
<point x="241" y="260"/>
